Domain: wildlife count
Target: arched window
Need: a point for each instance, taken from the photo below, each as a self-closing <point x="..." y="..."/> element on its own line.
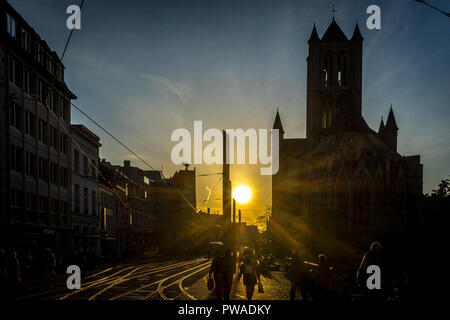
<point x="327" y="71"/>
<point x="327" y="114"/>
<point x="341" y="74"/>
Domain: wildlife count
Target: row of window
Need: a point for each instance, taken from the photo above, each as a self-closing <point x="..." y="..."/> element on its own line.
<point x="77" y="198"/>
<point x="34" y="47"/>
<point x="41" y="203"/>
<point x="34" y="86"/>
<point x="41" y="168"/>
<point x="58" y="141"/>
<point x="85" y="230"/>
<point x="107" y="200"/>
<point x="88" y="169"/>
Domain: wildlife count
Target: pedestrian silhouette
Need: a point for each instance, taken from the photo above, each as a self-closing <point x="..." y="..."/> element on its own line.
<point x="249" y="270"/>
<point x="13" y="269"/>
<point x="217" y="271"/>
<point x="3" y="264"/>
<point x="228" y="269"/>
<point x="48" y="268"/>
<point x="371" y="257"/>
<point x="297" y="275"/>
<point x="325" y="278"/>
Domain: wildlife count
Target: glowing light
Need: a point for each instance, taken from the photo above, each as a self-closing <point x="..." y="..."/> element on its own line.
<point x="242" y="194"/>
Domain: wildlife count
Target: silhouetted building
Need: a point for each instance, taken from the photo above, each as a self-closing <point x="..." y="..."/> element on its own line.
<point x="134" y="223"/>
<point x="338" y="180"/>
<point x="85" y="210"/>
<point x="183" y="208"/>
<point x="35" y="188"/>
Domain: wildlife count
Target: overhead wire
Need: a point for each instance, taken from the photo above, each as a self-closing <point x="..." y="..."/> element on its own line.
<point x="96" y="123"/>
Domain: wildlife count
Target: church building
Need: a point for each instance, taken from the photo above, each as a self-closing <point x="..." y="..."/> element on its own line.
<point x="341" y="185"/>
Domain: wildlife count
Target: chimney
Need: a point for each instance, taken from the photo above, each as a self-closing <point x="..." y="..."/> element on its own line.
<point x="126" y="163"/>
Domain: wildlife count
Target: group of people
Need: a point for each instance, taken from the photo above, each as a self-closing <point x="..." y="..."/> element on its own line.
<point x="9" y="268"/>
<point x="41" y="264"/>
<point x="223" y="269"/>
<point x="318" y="279"/>
<point x="11" y="272"/>
<point x="323" y="281"/>
<point x="323" y="285"/>
<point x="86" y="259"/>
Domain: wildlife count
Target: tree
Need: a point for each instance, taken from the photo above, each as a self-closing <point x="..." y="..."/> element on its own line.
<point x="443" y="190"/>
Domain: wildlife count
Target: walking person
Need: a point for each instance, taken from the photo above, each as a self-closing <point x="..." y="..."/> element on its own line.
<point x="371" y="257"/>
<point x="90" y="261"/>
<point x="3" y="264"/>
<point x="250" y="272"/>
<point x="297" y="275"/>
<point x="82" y="261"/>
<point x="325" y="278"/>
<point x="217" y="271"/>
<point x="48" y="268"/>
<point x="228" y="270"/>
<point x="13" y="269"/>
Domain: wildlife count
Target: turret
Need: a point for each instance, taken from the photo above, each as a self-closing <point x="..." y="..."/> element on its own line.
<point x="314" y="36"/>
<point x="390" y="131"/>
<point x="381" y="128"/>
<point x="278" y="125"/>
<point x="357" y="34"/>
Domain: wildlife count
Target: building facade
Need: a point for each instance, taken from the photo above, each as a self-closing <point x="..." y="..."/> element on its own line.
<point x="35" y="159"/>
<point x="337" y="184"/>
<point x="131" y="230"/>
<point x="85" y="189"/>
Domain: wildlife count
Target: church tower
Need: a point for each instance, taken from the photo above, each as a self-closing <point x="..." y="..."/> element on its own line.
<point x="334" y="78"/>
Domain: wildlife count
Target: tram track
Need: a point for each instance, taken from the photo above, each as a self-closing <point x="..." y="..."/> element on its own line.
<point x="103" y="288"/>
<point x="178" y="282"/>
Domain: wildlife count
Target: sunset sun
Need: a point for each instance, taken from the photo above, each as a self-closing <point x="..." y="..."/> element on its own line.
<point x="242" y="194"/>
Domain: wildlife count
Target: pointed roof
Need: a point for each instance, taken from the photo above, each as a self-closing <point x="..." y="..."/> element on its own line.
<point x="349" y="121"/>
<point x="334" y="33"/>
<point x="277" y="123"/>
<point x="381" y="128"/>
<point x="391" y="124"/>
<point x="314" y="36"/>
<point x="357" y="34"/>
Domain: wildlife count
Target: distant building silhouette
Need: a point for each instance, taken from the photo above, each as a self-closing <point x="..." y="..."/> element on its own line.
<point x="342" y="166"/>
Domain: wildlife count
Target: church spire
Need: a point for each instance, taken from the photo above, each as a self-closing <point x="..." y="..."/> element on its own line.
<point x="357" y="34"/>
<point x="277" y="124"/>
<point x="381" y="128"/>
<point x="314" y="36"/>
<point x="334" y="33"/>
<point x="391" y="124"/>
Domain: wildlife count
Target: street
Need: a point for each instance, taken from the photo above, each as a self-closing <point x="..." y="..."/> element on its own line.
<point x="156" y="279"/>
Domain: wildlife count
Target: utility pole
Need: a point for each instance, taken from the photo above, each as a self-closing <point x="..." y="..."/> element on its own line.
<point x="226" y="185"/>
<point x="234" y="211"/>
